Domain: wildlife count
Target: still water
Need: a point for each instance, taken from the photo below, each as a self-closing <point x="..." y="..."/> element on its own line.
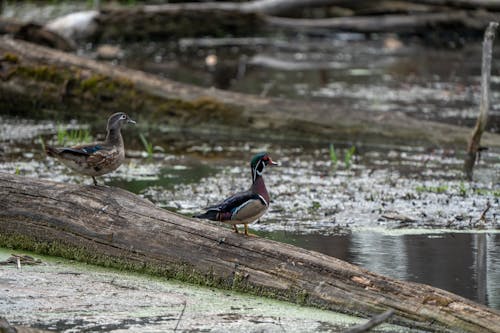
<point x="467" y="264"/>
<point x="342" y="212"/>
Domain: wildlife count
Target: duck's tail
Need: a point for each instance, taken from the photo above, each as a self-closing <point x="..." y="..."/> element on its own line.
<point x="51" y="151"/>
<point x="209" y="215"/>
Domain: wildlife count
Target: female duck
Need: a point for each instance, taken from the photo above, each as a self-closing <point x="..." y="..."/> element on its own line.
<point x="99" y="158"/>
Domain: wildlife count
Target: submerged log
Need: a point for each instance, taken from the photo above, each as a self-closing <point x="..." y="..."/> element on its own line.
<point x="35" y="79"/>
<point x="113" y="227"/>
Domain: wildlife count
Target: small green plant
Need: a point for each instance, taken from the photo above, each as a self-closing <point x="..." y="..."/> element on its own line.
<point x="65" y="136"/>
<point x="348" y="156"/>
<point x="18" y="171"/>
<point x="333" y="156"/>
<point x="148" y="146"/>
<point x="462" y="190"/>
<point x="432" y="189"/>
<point x="316" y="205"/>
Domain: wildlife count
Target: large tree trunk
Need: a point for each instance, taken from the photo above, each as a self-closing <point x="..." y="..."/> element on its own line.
<point x="35" y="79"/>
<point x="113" y="227"/>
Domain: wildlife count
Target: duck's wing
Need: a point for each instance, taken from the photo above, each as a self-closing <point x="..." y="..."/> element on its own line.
<point x="232" y="206"/>
<point x="101" y="155"/>
<point x="81" y="150"/>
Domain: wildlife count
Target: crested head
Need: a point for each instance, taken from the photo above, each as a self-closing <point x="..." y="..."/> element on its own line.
<point x="117" y="120"/>
<point x="259" y="162"/>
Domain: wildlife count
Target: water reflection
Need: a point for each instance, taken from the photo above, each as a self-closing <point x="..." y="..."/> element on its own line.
<point x="467" y="264"/>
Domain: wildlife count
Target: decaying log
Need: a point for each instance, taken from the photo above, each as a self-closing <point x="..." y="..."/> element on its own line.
<point x="35" y="33"/>
<point x="35" y="78"/>
<point x="473" y="146"/>
<point x="223" y="19"/>
<point x="469" y="4"/>
<point x="113" y="227"/>
<point x="388" y="23"/>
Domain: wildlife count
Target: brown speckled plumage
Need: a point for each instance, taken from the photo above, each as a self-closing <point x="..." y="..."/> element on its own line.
<point x="98" y="158"/>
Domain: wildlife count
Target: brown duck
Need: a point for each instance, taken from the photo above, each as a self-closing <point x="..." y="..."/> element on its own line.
<point x="98" y="158"/>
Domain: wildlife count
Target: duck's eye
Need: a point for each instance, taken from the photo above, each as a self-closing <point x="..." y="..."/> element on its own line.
<point x="123" y="117"/>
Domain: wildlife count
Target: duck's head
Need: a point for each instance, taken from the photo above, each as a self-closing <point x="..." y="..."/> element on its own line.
<point x="117" y="120"/>
<point x="259" y="163"/>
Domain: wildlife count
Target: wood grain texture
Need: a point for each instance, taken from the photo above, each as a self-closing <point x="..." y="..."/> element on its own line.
<point x="90" y="223"/>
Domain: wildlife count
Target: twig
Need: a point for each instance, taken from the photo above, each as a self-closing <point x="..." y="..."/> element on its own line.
<point x="180" y="316"/>
<point x="5" y="327"/>
<point x="281" y="325"/>
<point x="473" y="147"/>
<point x="375" y="321"/>
<point x="482" y="218"/>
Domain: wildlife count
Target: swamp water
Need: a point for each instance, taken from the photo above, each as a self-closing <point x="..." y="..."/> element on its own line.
<point x="72" y="297"/>
<point x="402" y="211"/>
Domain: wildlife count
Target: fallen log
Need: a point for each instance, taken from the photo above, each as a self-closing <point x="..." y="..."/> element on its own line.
<point x="223" y="19"/>
<point x="112" y="227"/>
<point x="35" y="79"/>
<point x="35" y="33"/>
<point x="469" y="4"/>
<point x="401" y="23"/>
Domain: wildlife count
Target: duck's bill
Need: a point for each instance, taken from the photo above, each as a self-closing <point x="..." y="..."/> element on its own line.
<point x="130" y="121"/>
<point x="271" y="162"/>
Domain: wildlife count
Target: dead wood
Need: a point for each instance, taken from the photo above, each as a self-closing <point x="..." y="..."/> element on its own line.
<point x="398" y="23"/>
<point x="473" y="147"/>
<point x="35" y="79"/>
<point x="34" y="33"/>
<point x="113" y="227"/>
<point x="469" y="4"/>
<point x="373" y="322"/>
<point x="222" y="19"/>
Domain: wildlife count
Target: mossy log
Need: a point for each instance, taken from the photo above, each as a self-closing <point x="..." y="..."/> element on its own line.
<point x="35" y="79"/>
<point x="112" y="227"/>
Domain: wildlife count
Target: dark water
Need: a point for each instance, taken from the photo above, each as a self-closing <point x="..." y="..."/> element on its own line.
<point x="383" y="73"/>
<point x="467" y="264"/>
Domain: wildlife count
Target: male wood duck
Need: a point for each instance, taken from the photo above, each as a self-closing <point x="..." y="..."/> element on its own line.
<point x="248" y="206"/>
<point x="98" y="158"/>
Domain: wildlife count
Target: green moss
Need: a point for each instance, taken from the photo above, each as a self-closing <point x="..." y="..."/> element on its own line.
<point x="10" y="57"/>
<point x="43" y="73"/>
<point x="179" y="271"/>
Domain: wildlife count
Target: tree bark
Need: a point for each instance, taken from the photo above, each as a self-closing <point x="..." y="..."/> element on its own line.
<point x="35" y="79"/>
<point x="113" y="227"/>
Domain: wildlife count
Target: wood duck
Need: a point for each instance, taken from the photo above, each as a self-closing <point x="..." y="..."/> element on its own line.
<point x="244" y="207"/>
<point x="98" y="158"/>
